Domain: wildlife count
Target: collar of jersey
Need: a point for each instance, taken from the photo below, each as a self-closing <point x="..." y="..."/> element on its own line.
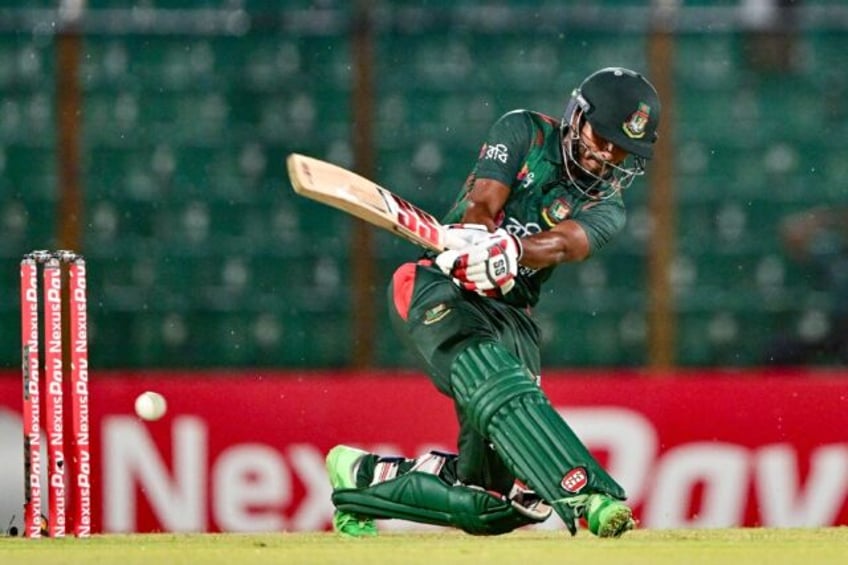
<point x="553" y="153"/>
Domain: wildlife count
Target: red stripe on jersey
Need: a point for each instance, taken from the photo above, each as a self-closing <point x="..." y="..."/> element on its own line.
<point x="403" y="283"/>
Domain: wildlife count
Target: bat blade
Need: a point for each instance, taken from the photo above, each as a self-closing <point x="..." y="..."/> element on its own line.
<point x="352" y="193"/>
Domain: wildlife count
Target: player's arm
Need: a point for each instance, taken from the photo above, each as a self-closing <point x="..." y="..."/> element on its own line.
<point x="567" y="241"/>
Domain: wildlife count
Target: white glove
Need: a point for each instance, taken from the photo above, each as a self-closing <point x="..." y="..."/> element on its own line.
<point x="458" y="236"/>
<point x="488" y="266"/>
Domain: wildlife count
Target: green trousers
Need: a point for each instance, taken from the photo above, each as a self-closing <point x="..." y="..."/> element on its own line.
<point x="437" y="320"/>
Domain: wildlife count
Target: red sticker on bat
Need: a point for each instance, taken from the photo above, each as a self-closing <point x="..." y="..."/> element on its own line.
<point x="418" y="221"/>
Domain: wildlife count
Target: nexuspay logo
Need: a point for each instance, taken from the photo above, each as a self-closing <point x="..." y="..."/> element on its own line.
<point x="12" y="470"/>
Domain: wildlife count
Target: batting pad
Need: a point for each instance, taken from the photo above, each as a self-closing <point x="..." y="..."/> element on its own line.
<point x="425" y="498"/>
<point x="502" y="401"/>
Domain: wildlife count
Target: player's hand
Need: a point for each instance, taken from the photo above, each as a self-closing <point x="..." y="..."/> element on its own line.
<point x="488" y="267"/>
<point x="458" y="236"/>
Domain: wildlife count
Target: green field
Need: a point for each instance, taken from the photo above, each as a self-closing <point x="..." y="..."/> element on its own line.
<point x="655" y="547"/>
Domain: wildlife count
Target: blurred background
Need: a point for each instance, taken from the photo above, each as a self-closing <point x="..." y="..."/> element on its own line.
<point x="151" y="136"/>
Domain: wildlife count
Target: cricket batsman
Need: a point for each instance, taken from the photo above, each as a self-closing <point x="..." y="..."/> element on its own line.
<point x="543" y="192"/>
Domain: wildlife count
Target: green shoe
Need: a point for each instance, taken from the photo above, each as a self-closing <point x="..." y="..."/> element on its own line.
<point x="608" y="517"/>
<point x="353" y="526"/>
<point x="341" y="467"/>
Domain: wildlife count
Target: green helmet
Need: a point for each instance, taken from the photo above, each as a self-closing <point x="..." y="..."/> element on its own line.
<point x="624" y="108"/>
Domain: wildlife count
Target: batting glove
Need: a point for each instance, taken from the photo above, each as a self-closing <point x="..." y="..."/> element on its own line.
<point x="487" y="267"/>
<point x="458" y="236"/>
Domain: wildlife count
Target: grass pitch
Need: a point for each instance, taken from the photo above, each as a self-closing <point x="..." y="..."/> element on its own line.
<point x="654" y="547"/>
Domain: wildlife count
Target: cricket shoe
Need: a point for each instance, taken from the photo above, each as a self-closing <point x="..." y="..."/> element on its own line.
<point x="342" y="463"/>
<point x="608" y="517"/>
<point x="605" y="516"/>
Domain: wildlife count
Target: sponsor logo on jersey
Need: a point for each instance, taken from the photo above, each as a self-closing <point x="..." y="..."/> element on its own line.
<point x="498" y="152"/>
<point x="436" y="314"/>
<point x="519" y="230"/>
<point x="635" y="125"/>
<point x="575" y="480"/>
<point x="522" y="174"/>
<point x="526" y="271"/>
<point x="525" y="176"/>
<point x="556" y="212"/>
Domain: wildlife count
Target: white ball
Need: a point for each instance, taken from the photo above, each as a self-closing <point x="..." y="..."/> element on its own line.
<point x="150" y="406"/>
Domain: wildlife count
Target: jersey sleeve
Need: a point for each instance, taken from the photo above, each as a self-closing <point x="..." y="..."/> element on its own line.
<point x="506" y="148"/>
<point x="602" y="222"/>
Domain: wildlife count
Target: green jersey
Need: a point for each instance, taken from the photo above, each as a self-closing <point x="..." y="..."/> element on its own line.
<point x="523" y="151"/>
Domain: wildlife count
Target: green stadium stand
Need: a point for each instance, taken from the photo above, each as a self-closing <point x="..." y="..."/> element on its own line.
<point x="28" y="223"/>
<point x="202" y="256"/>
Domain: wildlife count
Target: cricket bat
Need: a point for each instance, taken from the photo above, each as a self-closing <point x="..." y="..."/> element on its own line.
<point x="352" y="193"/>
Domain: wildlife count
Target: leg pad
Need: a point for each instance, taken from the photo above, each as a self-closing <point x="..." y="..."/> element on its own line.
<point x="502" y="401"/>
<point x="425" y="498"/>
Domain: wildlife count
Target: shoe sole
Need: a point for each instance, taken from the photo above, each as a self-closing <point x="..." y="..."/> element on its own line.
<point x="621" y="521"/>
<point x="342" y="519"/>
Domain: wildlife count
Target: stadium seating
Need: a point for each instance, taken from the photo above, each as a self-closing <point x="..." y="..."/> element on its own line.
<point x="201" y="255"/>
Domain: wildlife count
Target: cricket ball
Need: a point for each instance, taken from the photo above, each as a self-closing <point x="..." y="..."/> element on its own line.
<point x="150" y="406"/>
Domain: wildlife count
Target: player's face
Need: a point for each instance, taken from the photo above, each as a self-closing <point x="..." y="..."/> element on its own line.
<point x="592" y="162"/>
<point x="595" y="153"/>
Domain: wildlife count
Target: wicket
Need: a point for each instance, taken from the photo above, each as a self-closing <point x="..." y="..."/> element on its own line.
<point x="69" y="481"/>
